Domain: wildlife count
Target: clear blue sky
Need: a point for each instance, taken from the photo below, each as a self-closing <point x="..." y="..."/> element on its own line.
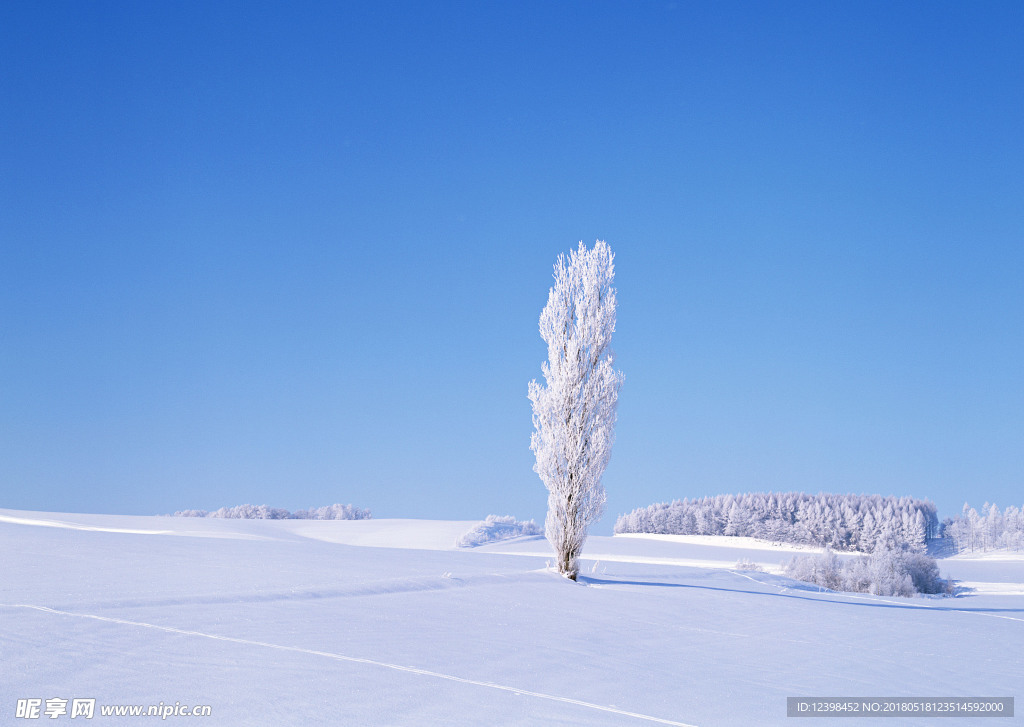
<point x="295" y="253"/>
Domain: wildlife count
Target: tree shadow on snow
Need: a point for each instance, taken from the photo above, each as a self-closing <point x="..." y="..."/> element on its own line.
<point x="591" y="580"/>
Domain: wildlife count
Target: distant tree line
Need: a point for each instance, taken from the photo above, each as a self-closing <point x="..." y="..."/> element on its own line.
<point x="262" y="512"/>
<point x="841" y="522"/>
<point x="992" y="529"/>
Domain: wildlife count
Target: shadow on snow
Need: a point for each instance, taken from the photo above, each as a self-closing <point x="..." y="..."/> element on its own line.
<point x="912" y="607"/>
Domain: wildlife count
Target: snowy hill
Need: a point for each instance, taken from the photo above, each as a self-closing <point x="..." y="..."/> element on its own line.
<point x="386" y="622"/>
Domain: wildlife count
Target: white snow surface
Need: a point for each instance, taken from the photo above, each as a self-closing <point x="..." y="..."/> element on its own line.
<point x="385" y="622"/>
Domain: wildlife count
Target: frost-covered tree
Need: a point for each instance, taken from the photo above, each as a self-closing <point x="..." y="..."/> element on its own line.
<point x="737" y="521"/>
<point x="574" y="410"/>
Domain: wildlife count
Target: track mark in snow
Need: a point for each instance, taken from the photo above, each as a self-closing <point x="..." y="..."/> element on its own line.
<point x="371" y="588"/>
<point x="355" y="660"/>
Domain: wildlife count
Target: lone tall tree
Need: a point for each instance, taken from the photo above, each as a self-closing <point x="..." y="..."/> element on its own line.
<point x="574" y="412"/>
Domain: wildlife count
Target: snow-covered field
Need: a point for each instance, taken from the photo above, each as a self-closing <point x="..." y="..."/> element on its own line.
<point x="385" y="622"/>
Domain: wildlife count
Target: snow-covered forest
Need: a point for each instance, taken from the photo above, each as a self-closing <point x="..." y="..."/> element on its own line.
<point x="991" y="529"/>
<point x="841" y="522"/>
<point x="262" y="512"/>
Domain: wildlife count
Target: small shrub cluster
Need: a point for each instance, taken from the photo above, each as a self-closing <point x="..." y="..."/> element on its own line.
<point x="748" y="565"/>
<point x="886" y="572"/>
<point x="262" y="512"/>
<point x="495" y="528"/>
